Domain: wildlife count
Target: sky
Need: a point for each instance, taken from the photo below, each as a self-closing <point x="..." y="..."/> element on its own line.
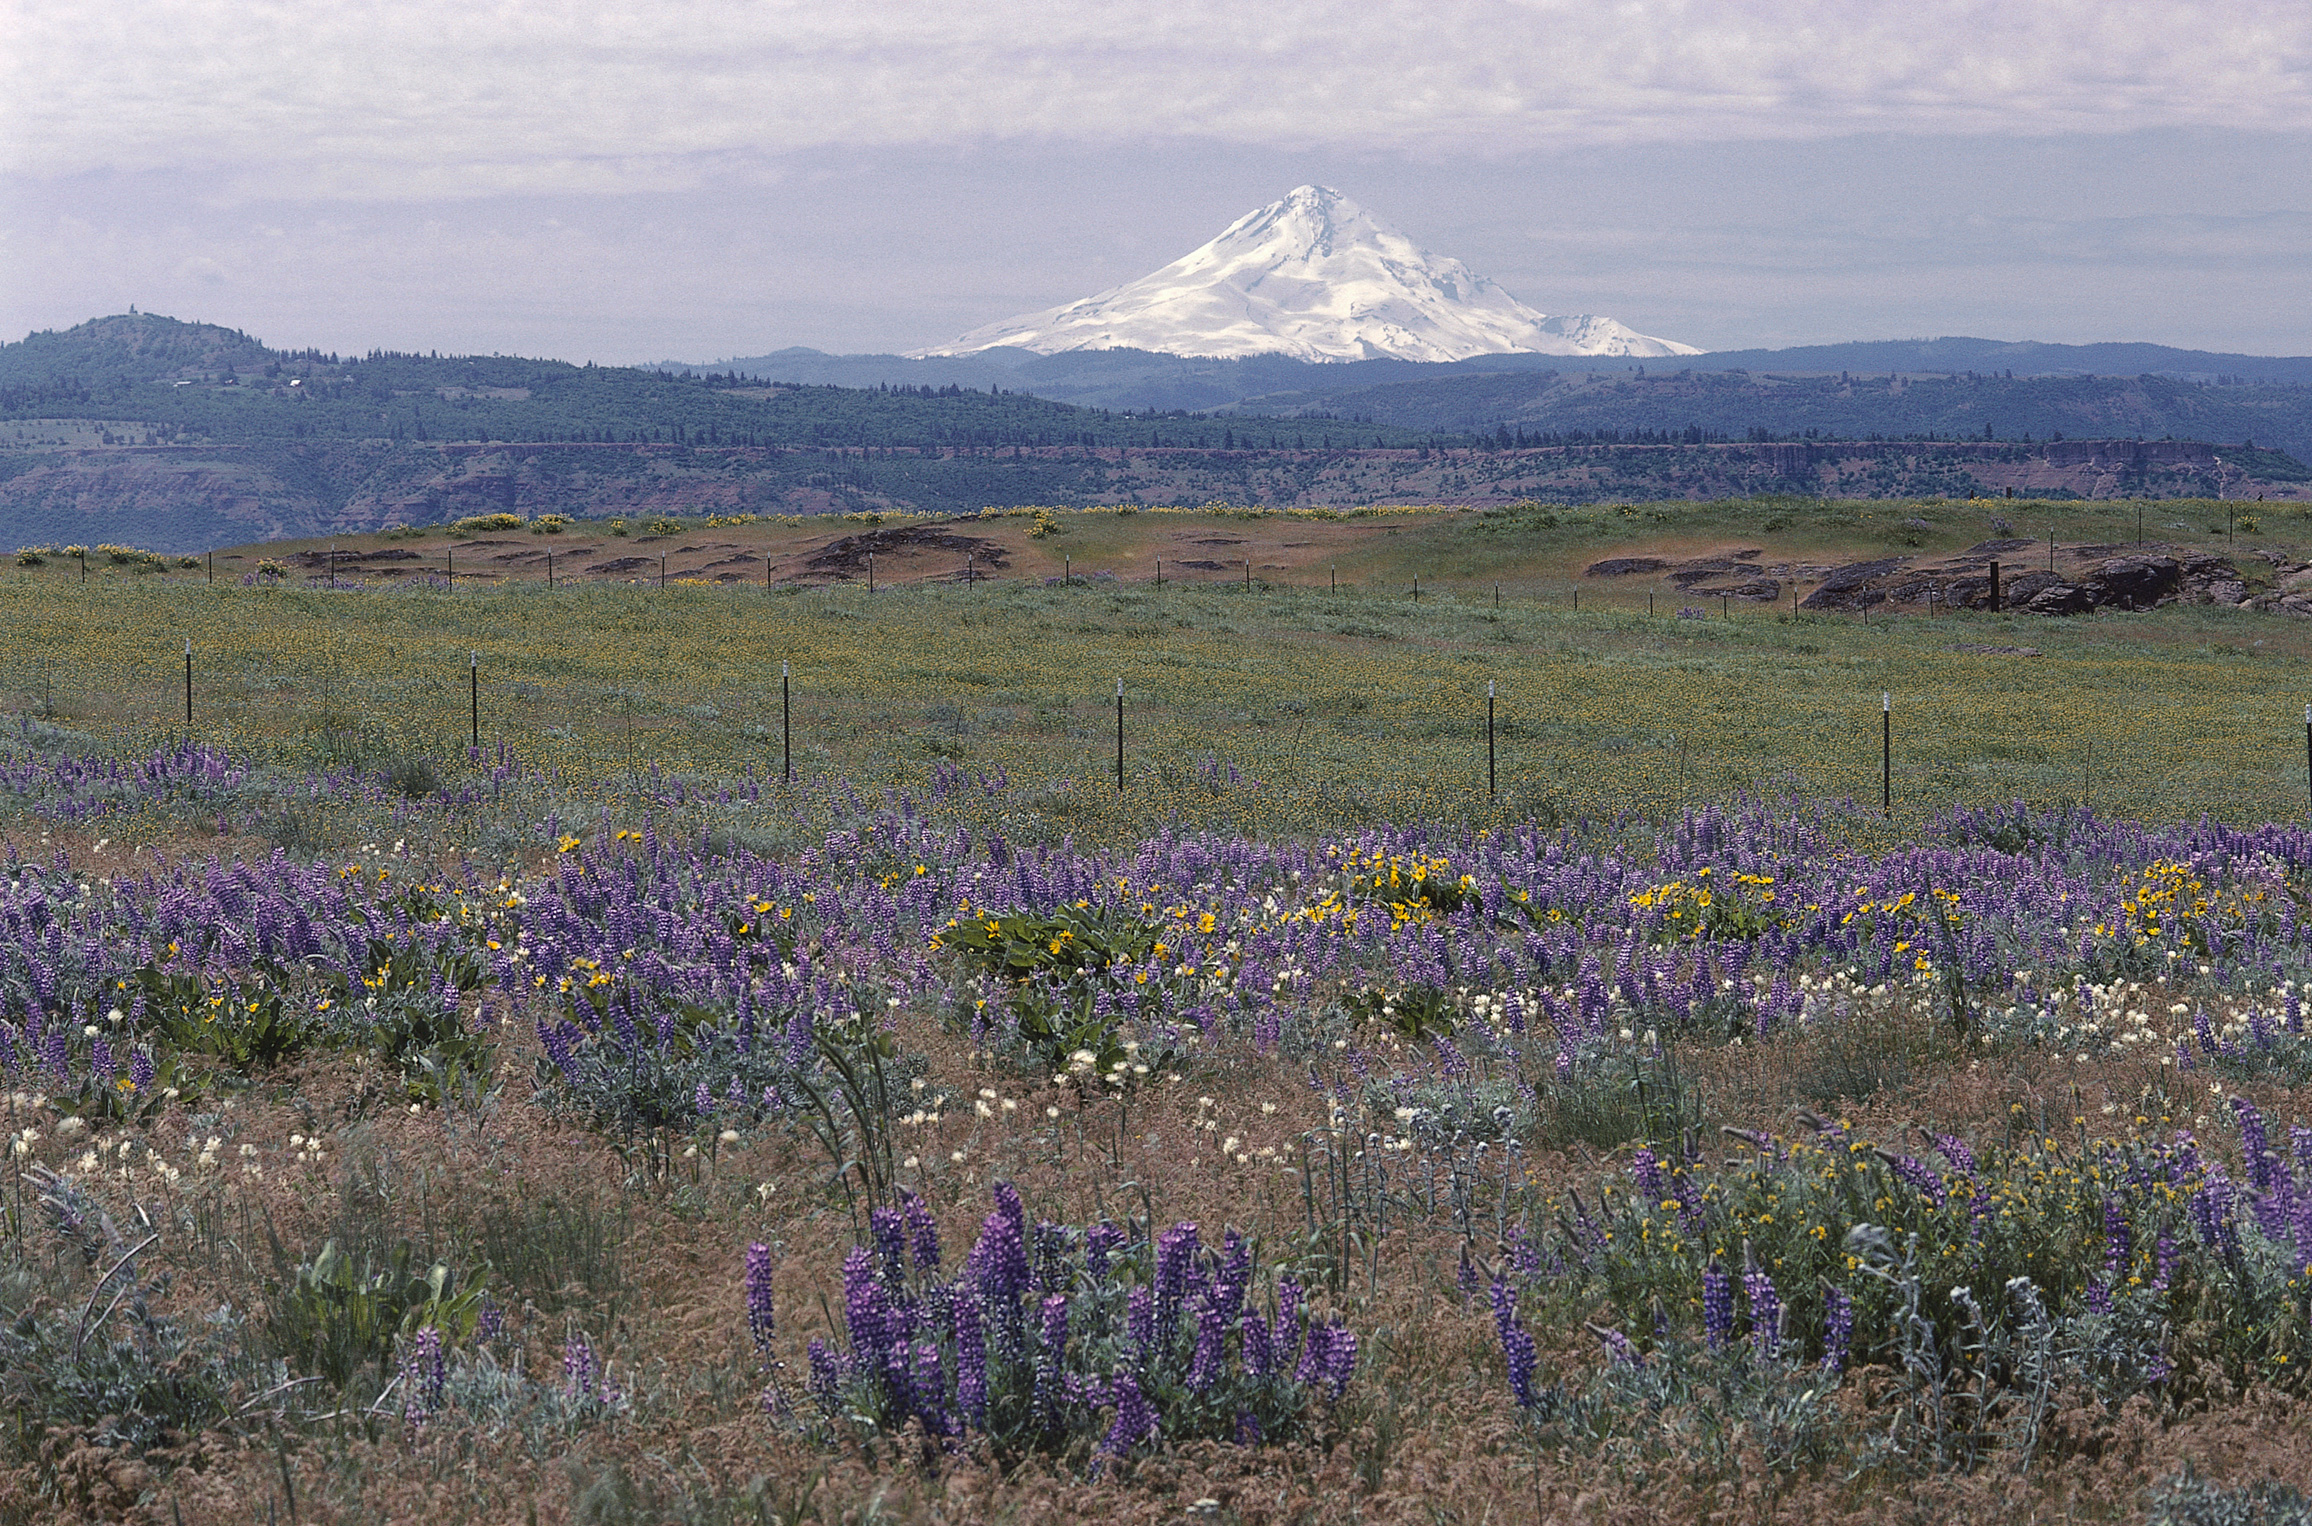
<point x="697" y="179"/>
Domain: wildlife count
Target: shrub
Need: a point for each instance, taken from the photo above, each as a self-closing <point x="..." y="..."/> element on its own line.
<point x="549" y="524"/>
<point x="665" y="526"/>
<point x="1055" y="968"/>
<point x="1082" y="1344"/>
<point x="133" y="1379"/>
<point x="34" y="556"/>
<point x="412" y="778"/>
<point x="332" y="1318"/>
<point x="1988" y="1282"/>
<point x="474" y="523"/>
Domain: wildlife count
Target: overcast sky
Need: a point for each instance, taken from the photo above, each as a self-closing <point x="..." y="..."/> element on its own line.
<point x="704" y="178"/>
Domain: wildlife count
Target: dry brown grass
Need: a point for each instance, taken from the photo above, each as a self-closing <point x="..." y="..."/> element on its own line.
<point x="1427" y="1435"/>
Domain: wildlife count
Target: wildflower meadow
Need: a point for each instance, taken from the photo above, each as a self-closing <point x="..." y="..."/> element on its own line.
<point x="1074" y="1052"/>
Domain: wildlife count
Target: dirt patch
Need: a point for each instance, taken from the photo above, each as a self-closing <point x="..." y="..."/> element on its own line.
<point x="848" y="557"/>
<point x="1624" y="567"/>
<point x="624" y="564"/>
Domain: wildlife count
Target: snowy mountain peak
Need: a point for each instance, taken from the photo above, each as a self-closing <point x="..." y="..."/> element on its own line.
<point x="1316" y="277"/>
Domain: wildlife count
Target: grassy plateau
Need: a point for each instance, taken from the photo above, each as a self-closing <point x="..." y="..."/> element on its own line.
<point x="513" y="1055"/>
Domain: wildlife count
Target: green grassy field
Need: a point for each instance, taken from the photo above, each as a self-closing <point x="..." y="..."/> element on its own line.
<point x="1344" y="707"/>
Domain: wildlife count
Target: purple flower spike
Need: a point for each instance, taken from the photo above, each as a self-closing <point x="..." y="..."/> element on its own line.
<point x="1717" y="1305"/>
<point x="970" y="1360"/>
<point x="758" y="1287"/>
<point x="1051" y="1349"/>
<point x="923" y="1235"/>
<point x="1516" y="1343"/>
<point x="1135" y="1420"/>
<point x="1765" y="1312"/>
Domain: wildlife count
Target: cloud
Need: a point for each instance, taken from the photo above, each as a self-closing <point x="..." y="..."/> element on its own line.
<point x="429" y="99"/>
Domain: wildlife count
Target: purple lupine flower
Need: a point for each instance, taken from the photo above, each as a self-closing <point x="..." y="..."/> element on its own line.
<point x="1837" y="1329"/>
<point x="1252" y="1336"/>
<point x="1954" y="1149"/>
<point x="1648" y="1171"/>
<point x="970" y="1360"/>
<point x="1340" y="1361"/>
<point x="827" y="1377"/>
<point x="2222" y="1200"/>
<point x="999" y="1262"/>
<point x="758" y="1289"/>
<point x="923" y="1235"/>
<point x="2165" y="1258"/>
<point x="1211" y="1335"/>
<point x="1175" y="1269"/>
<point x="1717" y="1305"/>
<point x="1619" y="1347"/>
<point x="1247" y="1428"/>
<point x="1050" y="1349"/>
<point x="2254" y="1144"/>
<point x="580" y="1374"/>
<point x="1312" y="1359"/>
<point x="1100" y="1242"/>
<point x="885" y="1228"/>
<point x="1922" y="1178"/>
<point x="2118" y="1240"/>
<point x="1465" y="1276"/>
<point x="140" y="1071"/>
<point x="866" y="1311"/>
<point x="1235" y="1275"/>
<point x="1516" y="1343"/>
<point x="426" y="1373"/>
<point x="1140" y="1323"/>
<point x="491" y="1321"/>
<point x="1135" y="1420"/>
<point x="702" y="1100"/>
<point x="1285" y="1331"/>
<point x="927" y="1391"/>
<point x="1765" y="1312"/>
<point x="2200" y="1206"/>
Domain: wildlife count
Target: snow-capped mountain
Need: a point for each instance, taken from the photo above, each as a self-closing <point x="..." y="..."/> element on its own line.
<point x="1316" y="277"/>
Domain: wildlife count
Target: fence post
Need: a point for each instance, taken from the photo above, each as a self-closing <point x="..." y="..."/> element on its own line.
<point x="870" y="571"/>
<point x="1994" y="588"/>
<point x="1887" y="754"/>
<point x="1490" y="777"/>
<point x="786" y="724"/>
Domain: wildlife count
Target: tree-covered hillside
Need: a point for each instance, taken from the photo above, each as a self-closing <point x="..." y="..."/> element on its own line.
<point x="183" y="381"/>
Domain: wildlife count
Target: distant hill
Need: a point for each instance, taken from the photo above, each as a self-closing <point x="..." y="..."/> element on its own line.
<point x="2266" y="387"/>
<point x="174" y="435"/>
